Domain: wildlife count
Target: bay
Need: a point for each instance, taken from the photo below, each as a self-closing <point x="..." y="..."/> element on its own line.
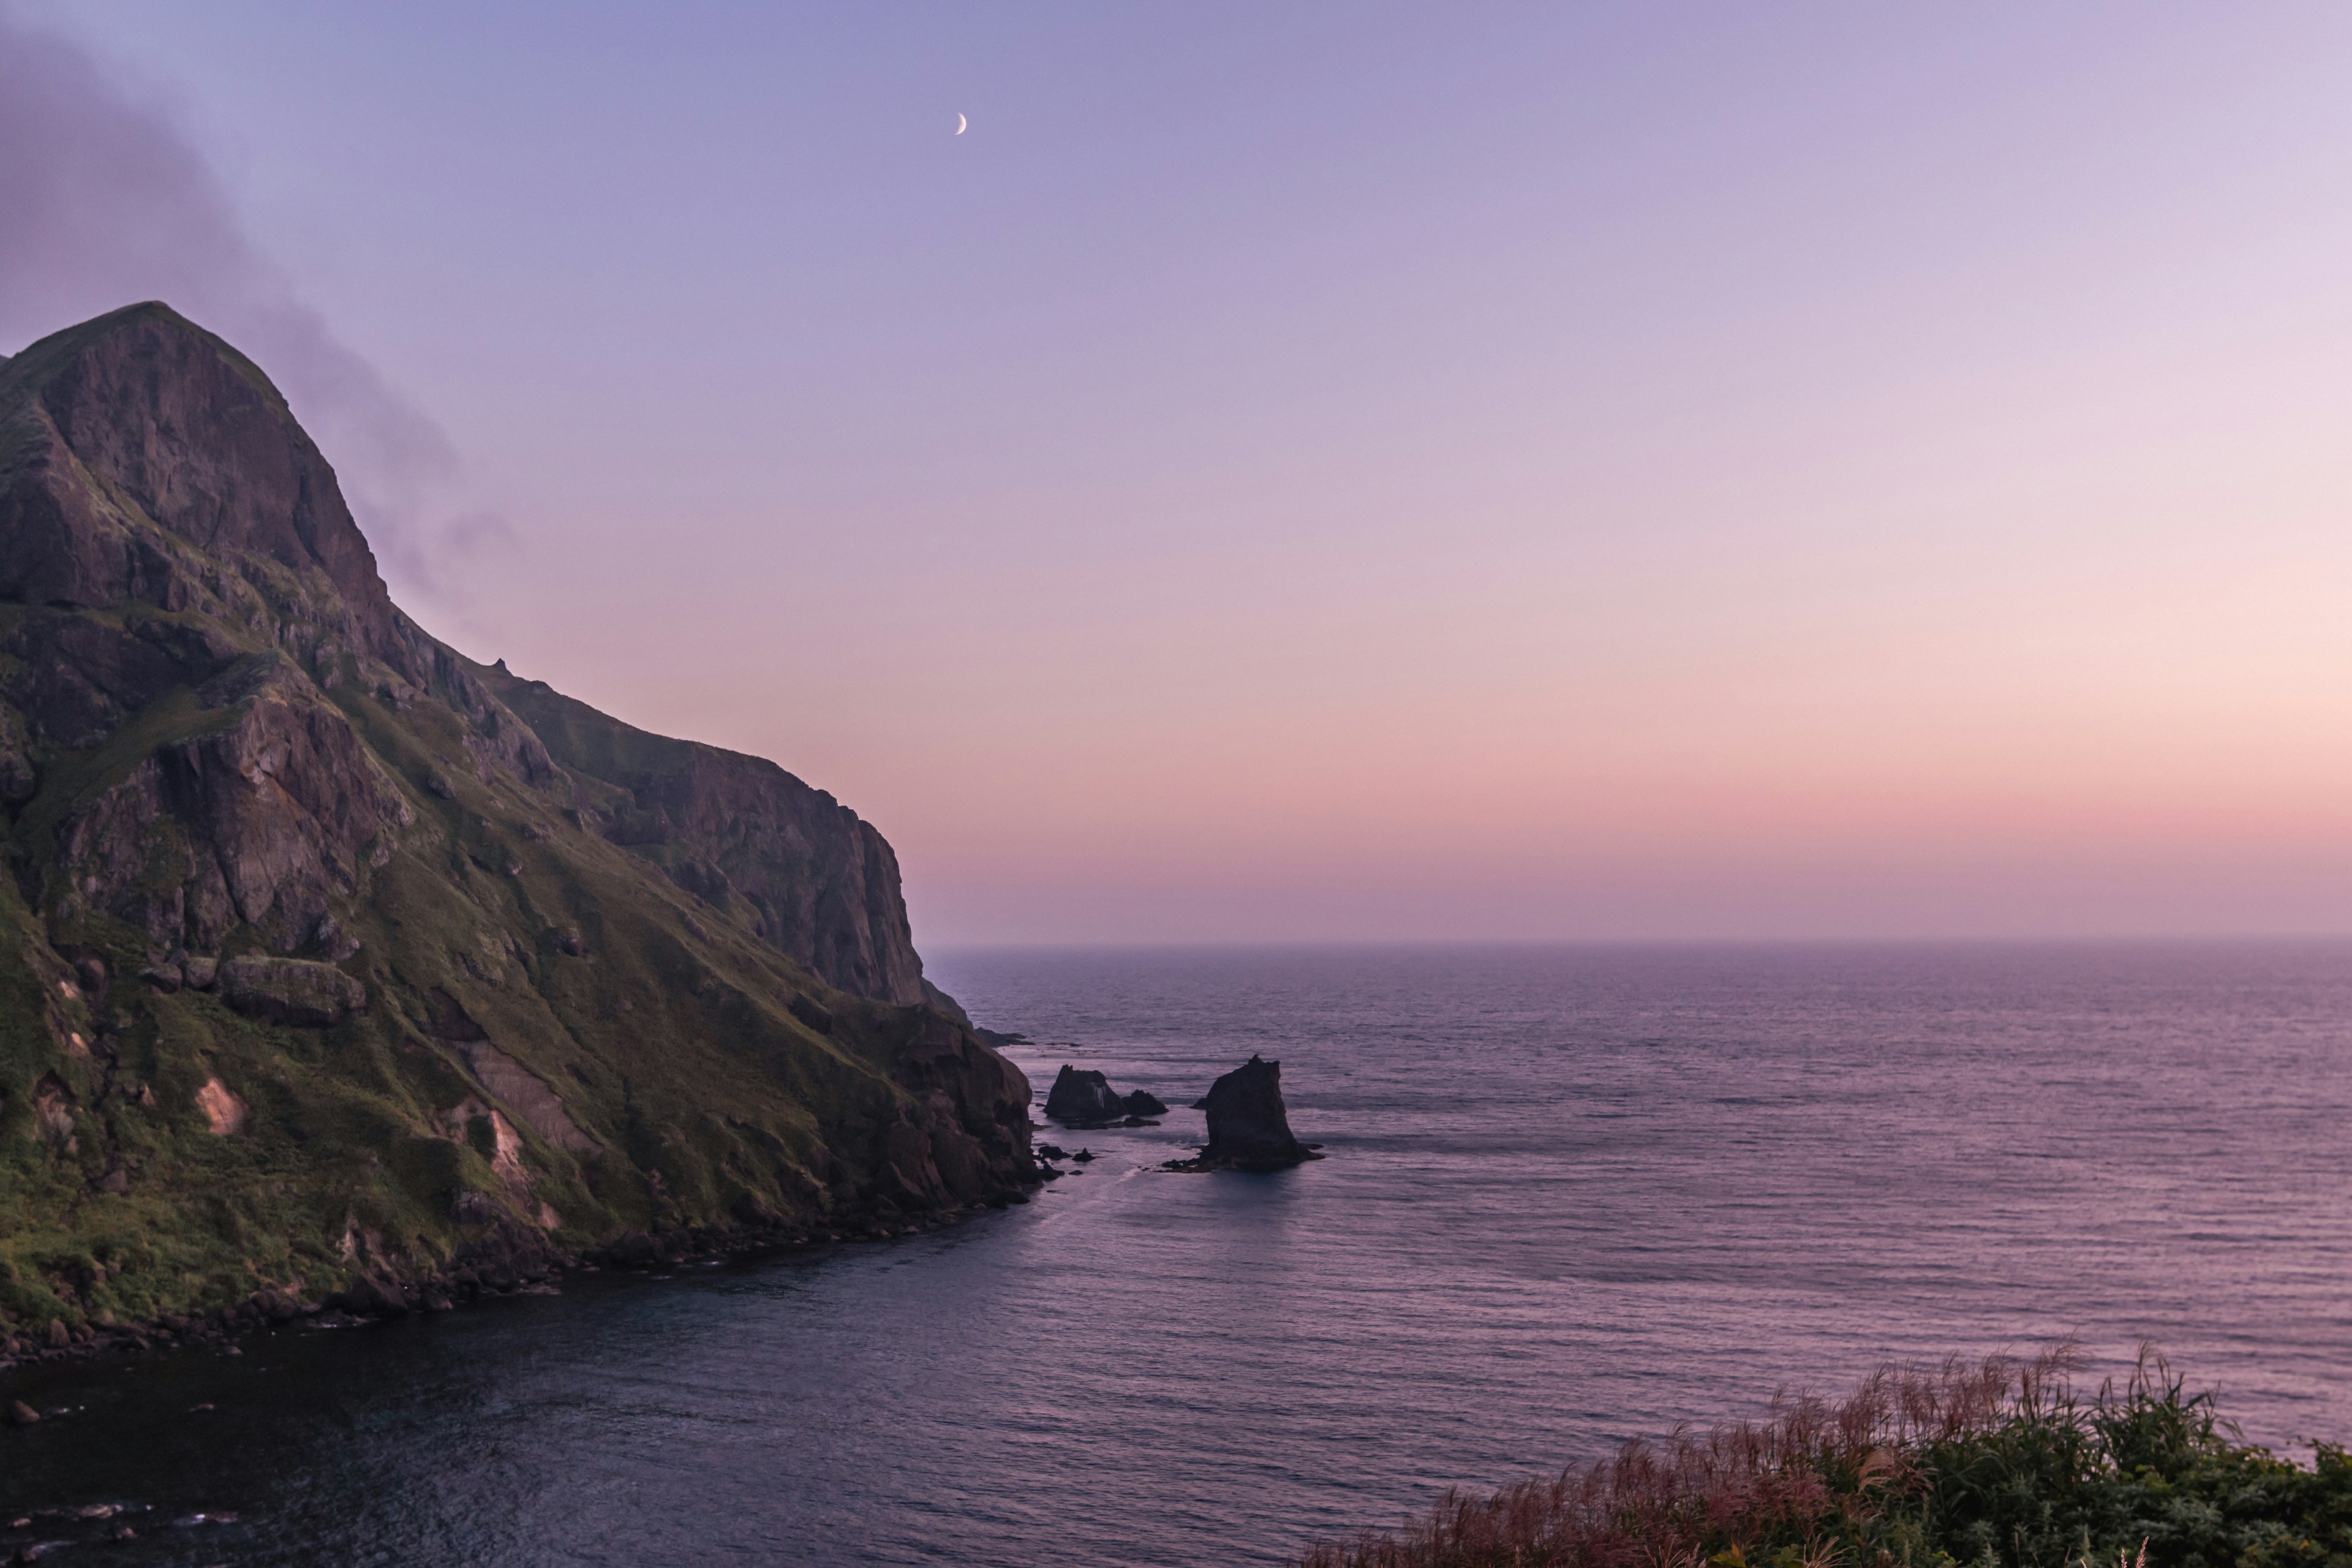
<point x="1572" y="1194"/>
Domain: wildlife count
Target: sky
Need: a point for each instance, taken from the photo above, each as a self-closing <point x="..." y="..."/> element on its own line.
<point x="1327" y="472"/>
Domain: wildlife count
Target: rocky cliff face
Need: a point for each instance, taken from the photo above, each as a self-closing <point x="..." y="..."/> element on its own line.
<point x="742" y="835"/>
<point x="328" y="954"/>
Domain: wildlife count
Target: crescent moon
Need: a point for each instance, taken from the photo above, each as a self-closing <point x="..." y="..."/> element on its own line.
<point x="961" y="123"/>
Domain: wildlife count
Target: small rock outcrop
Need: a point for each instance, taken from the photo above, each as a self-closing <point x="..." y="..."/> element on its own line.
<point x="291" y="991"/>
<point x="1084" y="1099"/>
<point x="1249" y="1128"/>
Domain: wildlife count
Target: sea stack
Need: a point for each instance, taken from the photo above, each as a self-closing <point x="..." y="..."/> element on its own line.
<point x="1082" y="1099"/>
<point x="1248" y="1128"/>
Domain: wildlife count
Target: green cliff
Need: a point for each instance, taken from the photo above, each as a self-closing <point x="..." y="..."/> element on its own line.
<point x="332" y="962"/>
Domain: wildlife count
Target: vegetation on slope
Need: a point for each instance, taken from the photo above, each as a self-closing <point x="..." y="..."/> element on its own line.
<point x="1996" y="1463"/>
<point x="319" y="974"/>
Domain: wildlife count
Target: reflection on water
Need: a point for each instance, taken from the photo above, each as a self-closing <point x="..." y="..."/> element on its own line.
<point x="1572" y="1194"/>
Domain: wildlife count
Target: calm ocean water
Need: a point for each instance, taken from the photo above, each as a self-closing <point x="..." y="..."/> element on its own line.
<point x="1572" y="1194"/>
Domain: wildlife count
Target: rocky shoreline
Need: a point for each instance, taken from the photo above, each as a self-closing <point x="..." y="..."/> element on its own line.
<point x="1249" y="1131"/>
<point x="527" y="1266"/>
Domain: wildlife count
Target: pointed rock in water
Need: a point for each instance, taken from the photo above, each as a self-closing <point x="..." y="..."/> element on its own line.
<point x="1084" y="1099"/>
<point x="1249" y="1130"/>
<point x="1079" y="1096"/>
<point x="21" y="1413"/>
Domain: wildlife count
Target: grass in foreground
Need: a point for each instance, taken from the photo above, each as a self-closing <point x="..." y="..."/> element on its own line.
<point x="1986" y="1465"/>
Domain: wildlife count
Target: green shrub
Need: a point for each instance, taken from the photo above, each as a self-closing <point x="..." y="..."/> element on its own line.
<point x="1994" y="1464"/>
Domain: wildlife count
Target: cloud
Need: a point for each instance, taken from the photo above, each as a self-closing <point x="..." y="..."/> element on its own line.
<point x="104" y="202"/>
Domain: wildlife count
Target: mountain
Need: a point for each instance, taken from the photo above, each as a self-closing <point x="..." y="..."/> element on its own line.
<point x="331" y="960"/>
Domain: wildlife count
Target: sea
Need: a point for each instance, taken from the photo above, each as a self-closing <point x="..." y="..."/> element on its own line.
<point x="1569" y="1196"/>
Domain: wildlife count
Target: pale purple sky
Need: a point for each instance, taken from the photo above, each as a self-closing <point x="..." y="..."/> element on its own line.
<point x="1329" y="471"/>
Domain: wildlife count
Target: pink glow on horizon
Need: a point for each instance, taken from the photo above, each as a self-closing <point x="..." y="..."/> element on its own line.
<point x="1328" y="472"/>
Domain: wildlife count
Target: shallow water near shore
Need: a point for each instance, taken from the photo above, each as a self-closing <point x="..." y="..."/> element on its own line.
<point x="1572" y="1194"/>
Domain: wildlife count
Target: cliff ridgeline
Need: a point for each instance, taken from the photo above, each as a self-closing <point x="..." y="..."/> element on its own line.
<point x="331" y="962"/>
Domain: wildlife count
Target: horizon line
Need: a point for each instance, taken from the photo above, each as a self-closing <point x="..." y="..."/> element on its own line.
<point x="1337" y="943"/>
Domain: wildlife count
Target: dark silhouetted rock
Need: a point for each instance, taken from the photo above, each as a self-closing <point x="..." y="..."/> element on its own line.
<point x="21" y="1413"/>
<point x="1248" y="1128"/>
<point x="1079" y="1096"/>
<point x="1084" y="1099"/>
<point x="369" y="1297"/>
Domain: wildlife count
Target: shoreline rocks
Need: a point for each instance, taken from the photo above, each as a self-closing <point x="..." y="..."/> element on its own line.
<point x="508" y="1266"/>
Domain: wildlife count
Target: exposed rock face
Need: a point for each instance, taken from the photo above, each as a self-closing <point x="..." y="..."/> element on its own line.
<point x="202" y="476"/>
<point x="966" y="1133"/>
<point x="1249" y="1128"/>
<point x="291" y="991"/>
<point x="816" y="1015"/>
<point x="1085" y="1099"/>
<point x="224" y="1110"/>
<point x="739" y="832"/>
<point x="571" y="982"/>
<point x="540" y="1106"/>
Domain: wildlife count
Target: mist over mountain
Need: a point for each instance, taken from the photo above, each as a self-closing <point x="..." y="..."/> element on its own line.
<point x="109" y="200"/>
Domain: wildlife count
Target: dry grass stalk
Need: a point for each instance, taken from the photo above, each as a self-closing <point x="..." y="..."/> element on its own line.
<point x="1696" y="1498"/>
